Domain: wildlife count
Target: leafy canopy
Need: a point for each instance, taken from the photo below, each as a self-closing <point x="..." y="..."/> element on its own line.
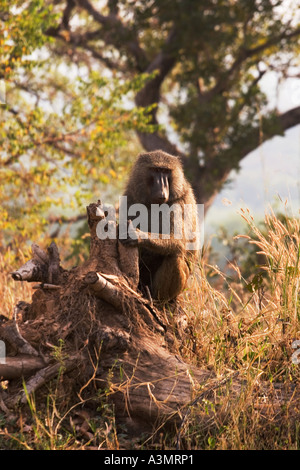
<point x="210" y="57"/>
<point x="61" y="126"/>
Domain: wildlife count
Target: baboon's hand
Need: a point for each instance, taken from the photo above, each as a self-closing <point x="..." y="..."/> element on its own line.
<point x="133" y="236"/>
<point x="129" y="242"/>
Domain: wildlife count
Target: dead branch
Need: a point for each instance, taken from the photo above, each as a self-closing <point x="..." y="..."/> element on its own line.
<point x="46" y="286"/>
<point x="119" y="298"/>
<point x="54" y="264"/>
<point x="42" y="267"/>
<point x="104" y="289"/>
<point x="20" y="366"/>
<point x="9" y="331"/>
<point x="36" y="269"/>
<point x="40" y="378"/>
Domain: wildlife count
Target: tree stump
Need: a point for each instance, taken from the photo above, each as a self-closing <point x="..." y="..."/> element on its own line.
<point x="92" y="323"/>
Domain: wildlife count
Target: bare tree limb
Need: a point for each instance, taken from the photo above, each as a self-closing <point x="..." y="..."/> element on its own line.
<point x="71" y="4"/>
<point x="243" y="54"/>
<point x="9" y="331"/>
<point x="253" y="139"/>
<point x="41" y="377"/>
<point x="124" y="36"/>
<point x="205" y="177"/>
<point x="16" y="367"/>
<point x="163" y="63"/>
<point x="290" y="118"/>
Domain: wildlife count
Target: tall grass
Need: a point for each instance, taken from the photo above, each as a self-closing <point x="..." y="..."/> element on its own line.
<point x="12" y="292"/>
<point x="249" y="327"/>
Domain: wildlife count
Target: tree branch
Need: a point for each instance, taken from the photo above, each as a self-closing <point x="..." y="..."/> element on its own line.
<point x="273" y="41"/>
<point x="270" y="129"/>
<point x="116" y="33"/>
<point x="163" y="63"/>
<point x="113" y="32"/>
<point x="243" y="54"/>
<point x="290" y="118"/>
<point x="71" y="4"/>
<point x="83" y="41"/>
<point x="208" y="181"/>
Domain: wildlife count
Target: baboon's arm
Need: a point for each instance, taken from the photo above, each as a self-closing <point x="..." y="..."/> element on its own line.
<point x="157" y="242"/>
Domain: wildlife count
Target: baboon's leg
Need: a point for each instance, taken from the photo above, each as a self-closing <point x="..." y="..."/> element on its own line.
<point x="171" y="278"/>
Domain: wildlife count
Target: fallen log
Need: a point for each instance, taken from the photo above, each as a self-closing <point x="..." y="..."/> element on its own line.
<point x="20" y="366"/>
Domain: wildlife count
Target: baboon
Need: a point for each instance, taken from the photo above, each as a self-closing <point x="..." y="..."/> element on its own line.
<point x="166" y="254"/>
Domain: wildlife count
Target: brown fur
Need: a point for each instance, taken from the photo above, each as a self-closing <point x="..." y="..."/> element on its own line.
<point x="164" y="263"/>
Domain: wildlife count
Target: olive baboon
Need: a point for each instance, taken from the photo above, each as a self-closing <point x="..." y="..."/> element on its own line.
<point x="157" y="181"/>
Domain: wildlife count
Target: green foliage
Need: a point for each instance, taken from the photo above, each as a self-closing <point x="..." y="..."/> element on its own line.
<point x="219" y="97"/>
<point x="61" y="128"/>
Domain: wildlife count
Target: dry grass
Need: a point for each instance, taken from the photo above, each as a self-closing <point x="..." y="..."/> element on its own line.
<point x="249" y="327"/>
<point x="245" y="327"/>
<point x="12" y="292"/>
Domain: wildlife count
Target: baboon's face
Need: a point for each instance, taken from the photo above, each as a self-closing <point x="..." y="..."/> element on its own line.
<point x="158" y="183"/>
